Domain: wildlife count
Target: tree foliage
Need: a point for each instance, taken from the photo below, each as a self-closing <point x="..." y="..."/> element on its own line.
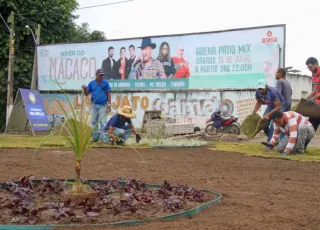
<point x="83" y="33"/>
<point x="56" y="18"/>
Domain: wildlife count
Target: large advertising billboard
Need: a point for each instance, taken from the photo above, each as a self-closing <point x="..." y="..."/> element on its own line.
<point x="225" y="59"/>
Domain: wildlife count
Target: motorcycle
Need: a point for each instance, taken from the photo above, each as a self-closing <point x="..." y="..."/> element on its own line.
<point x="219" y="124"/>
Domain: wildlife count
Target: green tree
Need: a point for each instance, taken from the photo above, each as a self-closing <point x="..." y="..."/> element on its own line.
<point x="82" y="33"/>
<point x="97" y="35"/>
<point x="56" y="18"/>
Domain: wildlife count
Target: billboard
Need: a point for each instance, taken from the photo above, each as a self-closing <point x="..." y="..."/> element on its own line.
<point x="225" y="59"/>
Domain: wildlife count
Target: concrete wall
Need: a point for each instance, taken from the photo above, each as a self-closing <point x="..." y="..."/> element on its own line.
<point x="192" y="106"/>
<point x="301" y="86"/>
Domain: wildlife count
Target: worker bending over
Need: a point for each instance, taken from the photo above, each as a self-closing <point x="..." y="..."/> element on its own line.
<point x="120" y="127"/>
<point x="297" y="129"/>
<point x="270" y="96"/>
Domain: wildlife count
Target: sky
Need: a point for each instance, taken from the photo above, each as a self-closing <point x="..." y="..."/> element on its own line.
<point x="128" y="20"/>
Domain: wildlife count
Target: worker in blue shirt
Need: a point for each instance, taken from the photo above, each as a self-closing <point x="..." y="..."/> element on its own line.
<point x="270" y="96"/>
<point x="120" y="127"/>
<point x="100" y="97"/>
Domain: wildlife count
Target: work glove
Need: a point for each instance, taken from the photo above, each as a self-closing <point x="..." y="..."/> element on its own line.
<point x="138" y="138"/>
<point x="310" y="101"/>
<point x="120" y="142"/>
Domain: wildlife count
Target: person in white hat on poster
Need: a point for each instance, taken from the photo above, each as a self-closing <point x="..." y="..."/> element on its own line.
<point x="182" y="65"/>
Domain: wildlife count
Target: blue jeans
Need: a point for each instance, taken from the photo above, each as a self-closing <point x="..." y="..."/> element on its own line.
<point x="99" y="114"/>
<point x="122" y="134"/>
<point x="269" y="129"/>
<point x="288" y="107"/>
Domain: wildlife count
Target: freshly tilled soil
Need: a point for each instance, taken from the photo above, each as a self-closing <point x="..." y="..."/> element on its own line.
<point x="258" y="193"/>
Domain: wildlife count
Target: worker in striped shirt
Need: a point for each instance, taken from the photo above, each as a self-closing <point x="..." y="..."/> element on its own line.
<point x="297" y="129"/>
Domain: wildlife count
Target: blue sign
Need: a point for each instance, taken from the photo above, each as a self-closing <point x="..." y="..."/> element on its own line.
<point x="35" y="110"/>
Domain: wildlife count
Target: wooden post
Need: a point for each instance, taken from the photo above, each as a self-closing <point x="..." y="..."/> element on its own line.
<point x="10" y="69"/>
<point x="34" y="80"/>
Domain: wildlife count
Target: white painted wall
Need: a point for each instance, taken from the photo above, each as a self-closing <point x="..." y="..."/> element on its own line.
<point x="192" y="107"/>
<point x="301" y="86"/>
<point x="187" y="107"/>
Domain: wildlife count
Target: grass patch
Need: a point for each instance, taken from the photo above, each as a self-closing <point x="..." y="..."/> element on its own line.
<point x="31" y="142"/>
<point x="254" y="149"/>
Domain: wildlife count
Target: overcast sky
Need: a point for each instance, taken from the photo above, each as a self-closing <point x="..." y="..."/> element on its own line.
<point x="181" y="16"/>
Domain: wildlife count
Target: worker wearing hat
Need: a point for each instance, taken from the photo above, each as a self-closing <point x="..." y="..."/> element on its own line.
<point x="272" y="98"/>
<point x="120" y="127"/>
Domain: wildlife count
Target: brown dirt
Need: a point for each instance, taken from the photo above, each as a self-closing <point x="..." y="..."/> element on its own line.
<point x="257" y="193"/>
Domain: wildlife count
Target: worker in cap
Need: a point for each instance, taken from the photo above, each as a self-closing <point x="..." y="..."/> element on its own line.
<point x="272" y="98"/>
<point x="100" y="91"/>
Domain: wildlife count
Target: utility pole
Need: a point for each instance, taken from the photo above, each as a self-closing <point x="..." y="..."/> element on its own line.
<point x="34" y="80"/>
<point x="10" y="69"/>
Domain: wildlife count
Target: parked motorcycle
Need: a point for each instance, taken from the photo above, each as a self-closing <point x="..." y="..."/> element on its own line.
<point x="219" y="124"/>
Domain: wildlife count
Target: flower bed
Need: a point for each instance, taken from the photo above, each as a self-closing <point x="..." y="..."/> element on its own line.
<point x="31" y="202"/>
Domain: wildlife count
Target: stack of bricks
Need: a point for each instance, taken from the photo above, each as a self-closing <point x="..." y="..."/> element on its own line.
<point x="176" y="129"/>
<point x="157" y="126"/>
<point x="164" y="127"/>
<point x="153" y="130"/>
<point x="161" y="122"/>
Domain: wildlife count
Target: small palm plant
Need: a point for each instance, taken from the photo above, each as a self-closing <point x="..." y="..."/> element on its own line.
<point x="78" y="135"/>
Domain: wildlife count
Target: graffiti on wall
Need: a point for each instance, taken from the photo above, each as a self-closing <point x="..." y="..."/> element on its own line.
<point x="193" y="108"/>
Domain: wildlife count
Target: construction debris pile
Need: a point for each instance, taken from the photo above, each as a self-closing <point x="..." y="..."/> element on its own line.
<point x="154" y="126"/>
